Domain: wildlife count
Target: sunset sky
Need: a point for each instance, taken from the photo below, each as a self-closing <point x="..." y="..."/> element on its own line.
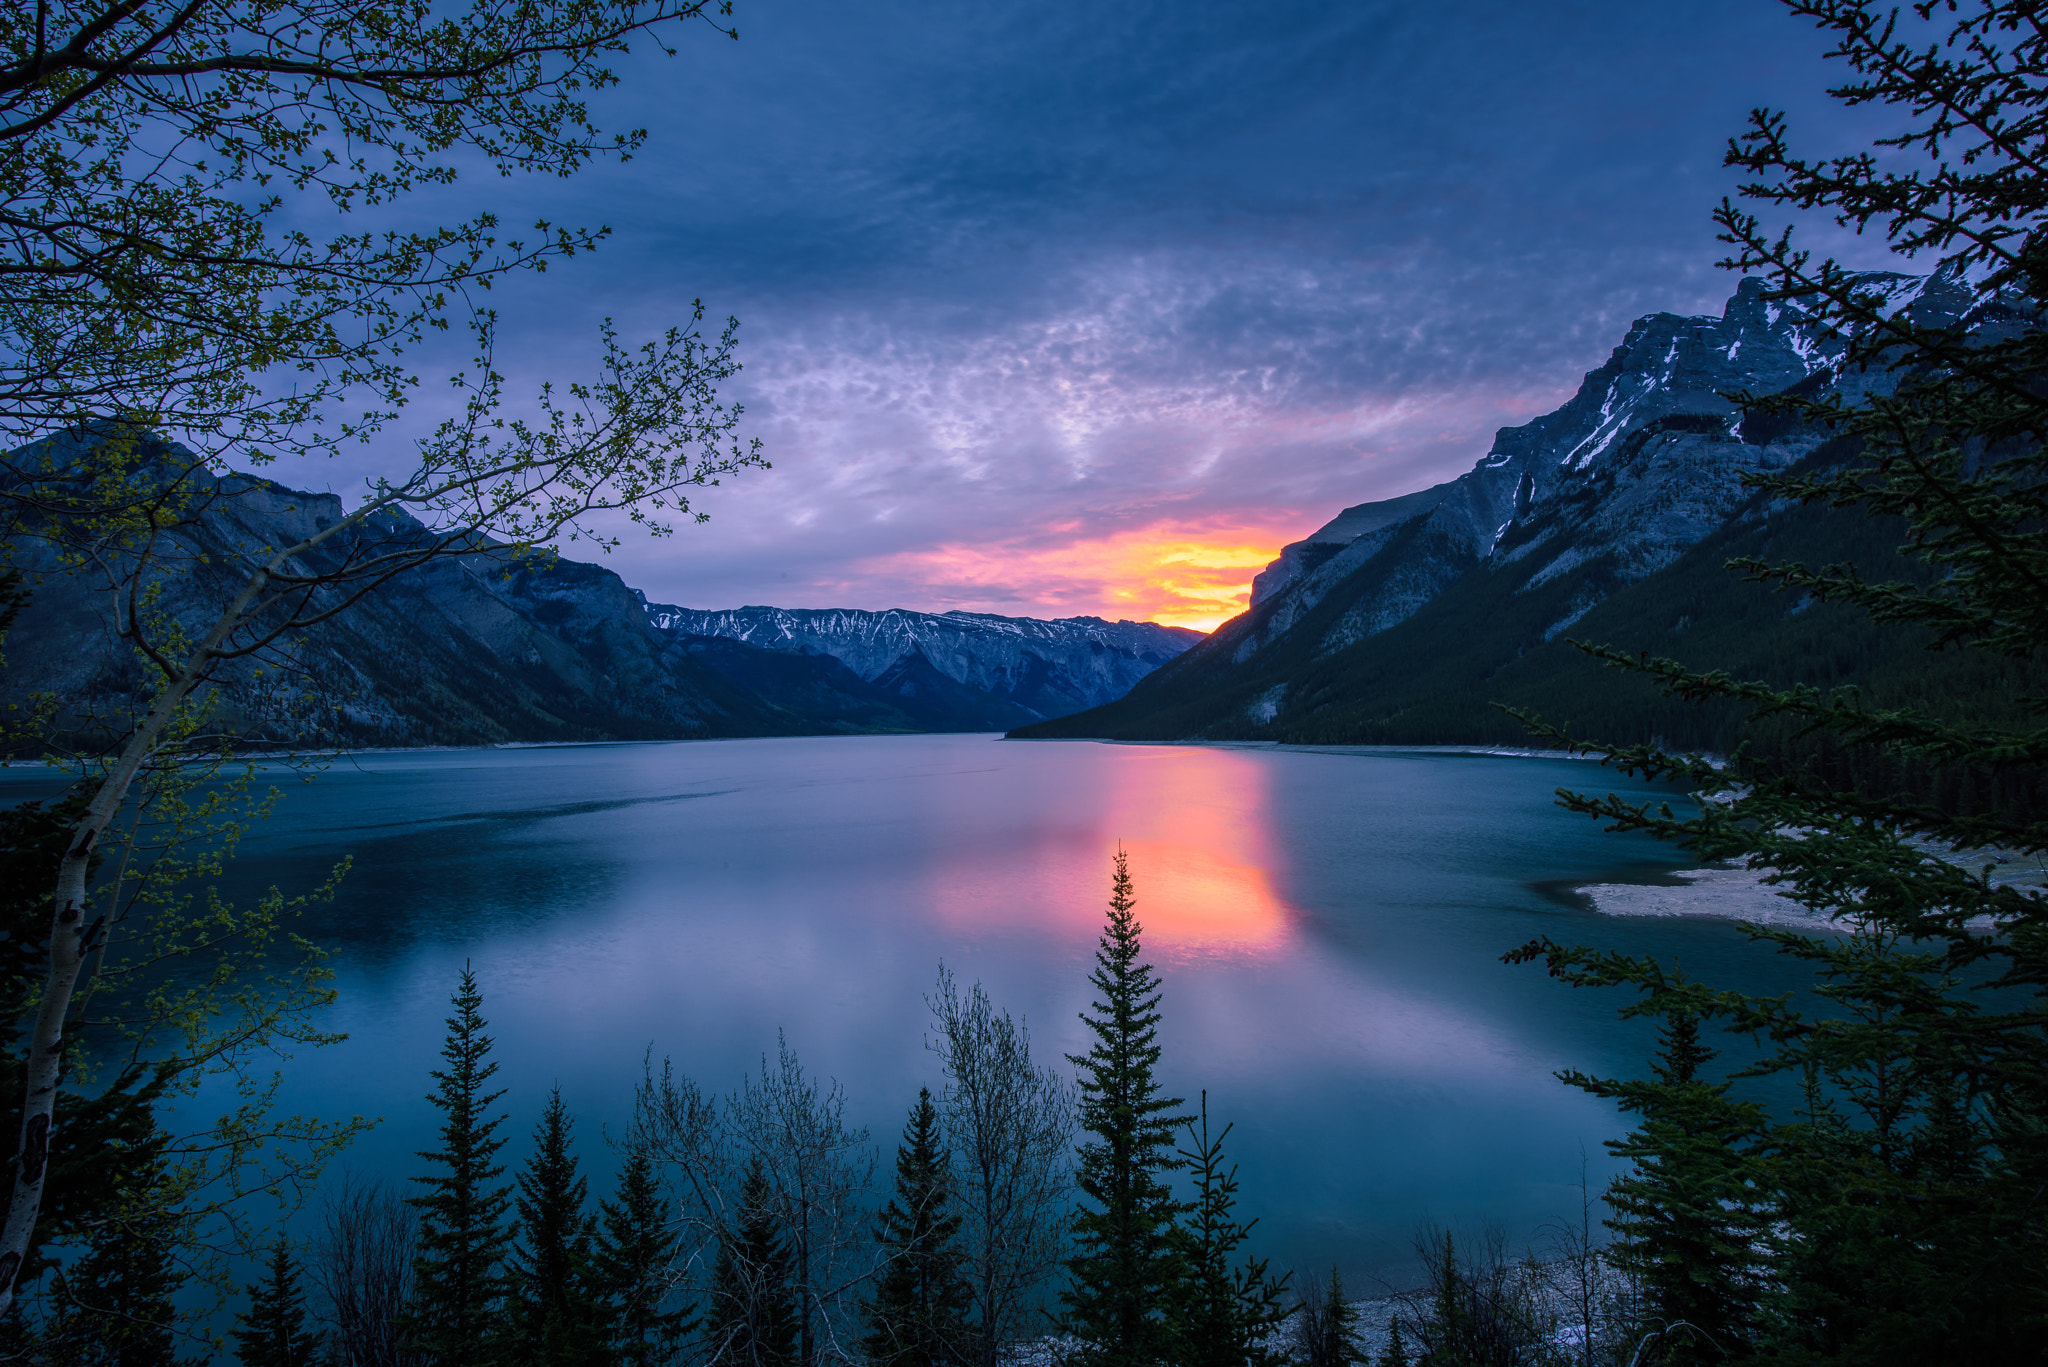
<point x="1051" y="310"/>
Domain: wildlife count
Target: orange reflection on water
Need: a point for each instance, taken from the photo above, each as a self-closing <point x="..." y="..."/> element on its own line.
<point x="1196" y="825"/>
<point x="1192" y="897"/>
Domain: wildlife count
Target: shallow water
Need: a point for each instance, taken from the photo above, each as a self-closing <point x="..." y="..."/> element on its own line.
<point x="1328" y="928"/>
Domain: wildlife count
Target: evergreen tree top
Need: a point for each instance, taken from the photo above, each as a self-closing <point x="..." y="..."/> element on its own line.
<point x="467" y="1130"/>
<point x="1126" y="1260"/>
<point x="551" y="1191"/>
<point x="1117" y="1069"/>
<point x="456" y="1312"/>
<point x="1681" y="1055"/>
<point x="273" y="1332"/>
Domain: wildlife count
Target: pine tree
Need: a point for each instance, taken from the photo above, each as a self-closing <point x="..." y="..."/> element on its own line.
<point x="1686" y="1223"/>
<point x="1901" y="1191"/>
<point x="1449" y="1327"/>
<point x="274" y="1332"/>
<point x="1325" y="1331"/>
<point x="1220" y="1315"/>
<point x="557" y="1320"/>
<point x="1126" y="1262"/>
<point x="632" y="1260"/>
<point x="459" y="1284"/>
<point x="1397" y="1351"/>
<point x="752" y="1320"/>
<point x="118" y="1295"/>
<point x="918" y="1315"/>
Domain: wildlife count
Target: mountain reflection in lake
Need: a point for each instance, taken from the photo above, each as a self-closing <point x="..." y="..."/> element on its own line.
<point x="1328" y="928"/>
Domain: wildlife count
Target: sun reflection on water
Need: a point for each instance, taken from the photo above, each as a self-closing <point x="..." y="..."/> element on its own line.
<point x="1197" y="827"/>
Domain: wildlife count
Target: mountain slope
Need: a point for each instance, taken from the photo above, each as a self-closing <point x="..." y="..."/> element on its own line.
<point x="484" y="649"/>
<point x="1023" y="667"/>
<point x="1400" y="621"/>
<point x="470" y="650"/>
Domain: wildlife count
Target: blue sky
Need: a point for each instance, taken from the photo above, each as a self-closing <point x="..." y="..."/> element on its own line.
<point x="1049" y="310"/>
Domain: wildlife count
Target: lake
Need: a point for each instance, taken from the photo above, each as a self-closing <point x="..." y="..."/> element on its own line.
<point x="1328" y="928"/>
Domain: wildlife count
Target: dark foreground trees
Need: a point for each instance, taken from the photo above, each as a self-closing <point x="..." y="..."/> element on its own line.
<point x="752" y="1312"/>
<point x="732" y="1220"/>
<point x="555" y="1299"/>
<point x="182" y="295"/>
<point x="1009" y="1129"/>
<point x="1895" y="1210"/>
<point x="917" y="1315"/>
<point x="1689" y="1223"/>
<point x="457" y="1314"/>
<point x="1325" y="1326"/>
<point x="1126" y="1265"/>
<point x="1221" y="1311"/>
<point x="638" y="1244"/>
<point x="275" y="1331"/>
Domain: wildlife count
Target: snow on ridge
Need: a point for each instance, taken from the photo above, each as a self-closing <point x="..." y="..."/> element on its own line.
<point x="965" y="646"/>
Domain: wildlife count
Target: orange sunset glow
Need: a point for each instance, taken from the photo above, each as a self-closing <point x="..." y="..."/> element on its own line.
<point x="1180" y="574"/>
<point x="1198" y="829"/>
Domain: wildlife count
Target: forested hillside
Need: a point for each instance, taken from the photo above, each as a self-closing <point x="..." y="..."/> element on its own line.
<point x="1432" y="619"/>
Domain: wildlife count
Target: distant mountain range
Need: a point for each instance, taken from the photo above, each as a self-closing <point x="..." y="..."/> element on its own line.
<point x="1610" y="519"/>
<point x="481" y="650"/>
<point x="1002" y="670"/>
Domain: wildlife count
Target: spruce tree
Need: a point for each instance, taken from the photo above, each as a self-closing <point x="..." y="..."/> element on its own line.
<point x="273" y="1330"/>
<point x="632" y="1259"/>
<point x="918" y="1315"/>
<point x="1330" y="1325"/>
<point x="1449" y="1326"/>
<point x="1220" y="1313"/>
<point x="117" y="1296"/>
<point x="556" y="1320"/>
<point x="1685" y="1219"/>
<point x="752" y="1318"/>
<point x="1901" y="1191"/>
<point x="458" y="1273"/>
<point x="1126" y="1263"/>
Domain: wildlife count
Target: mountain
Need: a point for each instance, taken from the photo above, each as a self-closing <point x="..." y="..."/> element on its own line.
<point x="979" y="670"/>
<point x="486" y="649"/>
<point x="1610" y="518"/>
<point x="464" y="651"/>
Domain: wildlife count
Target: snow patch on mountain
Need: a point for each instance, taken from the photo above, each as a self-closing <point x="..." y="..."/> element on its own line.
<point x="1048" y="666"/>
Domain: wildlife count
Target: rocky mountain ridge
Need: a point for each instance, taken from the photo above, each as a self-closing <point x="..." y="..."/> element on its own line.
<point x="1562" y="514"/>
<point x="1045" y="667"/>
<point x="486" y="648"/>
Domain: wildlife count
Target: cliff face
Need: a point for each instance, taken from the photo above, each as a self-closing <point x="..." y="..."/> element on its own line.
<point x="483" y="649"/>
<point x="1562" y="514"/>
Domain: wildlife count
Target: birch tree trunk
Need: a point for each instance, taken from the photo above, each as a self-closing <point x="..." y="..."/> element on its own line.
<point x="70" y="941"/>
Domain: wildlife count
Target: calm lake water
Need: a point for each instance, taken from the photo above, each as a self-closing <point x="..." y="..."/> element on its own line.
<point x="1328" y="928"/>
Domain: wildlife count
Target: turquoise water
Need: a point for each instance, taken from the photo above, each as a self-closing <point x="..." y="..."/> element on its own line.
<point x="1328" y="928"/>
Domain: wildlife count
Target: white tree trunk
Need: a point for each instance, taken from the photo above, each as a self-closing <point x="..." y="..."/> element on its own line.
<point x="70" y="941"/>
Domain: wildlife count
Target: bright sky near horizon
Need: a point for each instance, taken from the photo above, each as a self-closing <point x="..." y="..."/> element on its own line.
<point x="1090" y="309"/>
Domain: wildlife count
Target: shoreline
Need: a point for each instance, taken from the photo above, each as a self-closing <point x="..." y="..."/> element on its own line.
<point x="1288" y="748"/>
<point x="1278" y="747"/>
<point x="1741" y="894"/>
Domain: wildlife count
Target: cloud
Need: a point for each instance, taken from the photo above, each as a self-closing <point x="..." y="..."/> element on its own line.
<point x="1191" y="574"/>
<point x="1026" y="291"/>
<point x="1137" y="400"/>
